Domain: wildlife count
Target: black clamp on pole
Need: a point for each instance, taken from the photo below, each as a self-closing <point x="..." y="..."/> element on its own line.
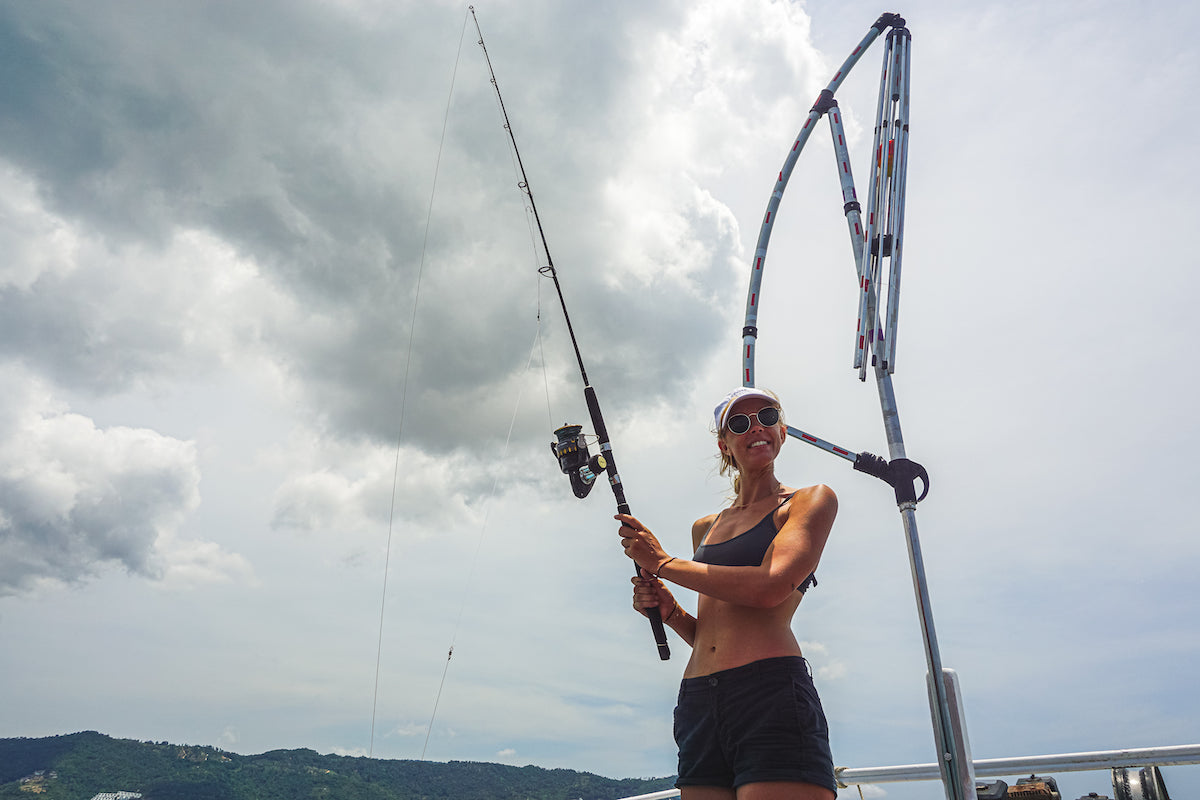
<point x="900" y="473"/>
<point x="823" y="103"/>
<point x="889" y="21"/>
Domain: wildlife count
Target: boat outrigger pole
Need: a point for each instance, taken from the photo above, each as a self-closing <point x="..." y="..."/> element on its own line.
<point x="877" y="241"/>
<point x="570" y="449"/>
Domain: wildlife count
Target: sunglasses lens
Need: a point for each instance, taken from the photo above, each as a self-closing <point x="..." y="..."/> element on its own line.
<point x="740" y="423"/>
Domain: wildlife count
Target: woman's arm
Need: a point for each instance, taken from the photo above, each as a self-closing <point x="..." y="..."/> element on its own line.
<point x="792" y="556"/>
<point x="649" y="592"/>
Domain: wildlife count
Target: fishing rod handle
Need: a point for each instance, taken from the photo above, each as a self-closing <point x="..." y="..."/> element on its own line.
<point x="653" y="614"/>
<point x="614" y="480"/>
<point x="656" y="625"/>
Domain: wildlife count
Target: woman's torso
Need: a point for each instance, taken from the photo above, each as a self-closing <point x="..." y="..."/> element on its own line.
<point x="730" y="635"/>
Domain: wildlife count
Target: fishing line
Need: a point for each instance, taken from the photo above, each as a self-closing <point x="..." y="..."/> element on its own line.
<point x="535" y="348"/>
<point x="531" y="217"/>
<point x="542" y="356"/>
<point x="479" y="544"/>
<point x="404" y="386"/>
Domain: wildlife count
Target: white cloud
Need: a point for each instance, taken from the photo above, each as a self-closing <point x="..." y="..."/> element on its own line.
<point x="353" y="752"/>
<point x="107" y="318"/>
<point x="188" y="563"/>
<point x="824" y="667"/>
<point x="76" y="497"/>
<point x="409" y="730"/>
<point x="35" y="242"/>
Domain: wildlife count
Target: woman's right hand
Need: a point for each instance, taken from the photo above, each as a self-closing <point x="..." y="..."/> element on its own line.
<point x="649" y="592"/>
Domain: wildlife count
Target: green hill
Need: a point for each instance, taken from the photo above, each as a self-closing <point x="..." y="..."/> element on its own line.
<point x="80" y="765"/>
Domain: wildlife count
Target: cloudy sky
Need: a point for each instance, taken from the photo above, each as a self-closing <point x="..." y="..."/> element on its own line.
<point x="272" y="339"/>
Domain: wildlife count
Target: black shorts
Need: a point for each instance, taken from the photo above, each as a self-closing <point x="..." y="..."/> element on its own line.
<point x="759" y="722"/>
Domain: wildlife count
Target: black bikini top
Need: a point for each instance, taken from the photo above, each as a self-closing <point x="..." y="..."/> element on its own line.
<point x="746" y="549"/>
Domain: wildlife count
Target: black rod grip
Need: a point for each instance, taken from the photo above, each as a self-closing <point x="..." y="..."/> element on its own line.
<point x="614" y="480"/>
<point x="656" y="625"/>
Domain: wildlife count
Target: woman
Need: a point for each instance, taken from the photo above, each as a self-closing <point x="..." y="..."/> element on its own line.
<point x="749" y="724"/>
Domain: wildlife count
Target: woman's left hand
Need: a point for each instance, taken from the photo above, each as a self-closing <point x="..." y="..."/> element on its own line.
<point x="640" y="544"/>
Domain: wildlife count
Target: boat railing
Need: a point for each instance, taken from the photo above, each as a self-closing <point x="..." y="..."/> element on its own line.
<point x="1176" y="755"/>
<point x="1024" y="765"/>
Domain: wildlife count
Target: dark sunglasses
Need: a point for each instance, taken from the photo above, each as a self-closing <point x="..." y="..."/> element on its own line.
<point x="740" y="423"/>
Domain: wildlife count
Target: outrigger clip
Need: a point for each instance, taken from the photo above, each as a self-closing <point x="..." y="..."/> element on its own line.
<point x="899" y="473"/>
<point x="574" y="460"/>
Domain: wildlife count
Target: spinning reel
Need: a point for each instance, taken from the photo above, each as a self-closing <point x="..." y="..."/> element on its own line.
<point x="574" y="460"/>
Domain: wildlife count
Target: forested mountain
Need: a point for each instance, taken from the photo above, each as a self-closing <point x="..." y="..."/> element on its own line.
<point x="80" y="765"/>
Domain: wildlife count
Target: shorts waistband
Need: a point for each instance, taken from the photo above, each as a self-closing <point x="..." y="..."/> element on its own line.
<point x="766" y="666"/>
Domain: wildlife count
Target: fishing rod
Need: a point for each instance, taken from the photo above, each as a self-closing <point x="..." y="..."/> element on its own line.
<point x="571" y="449"/>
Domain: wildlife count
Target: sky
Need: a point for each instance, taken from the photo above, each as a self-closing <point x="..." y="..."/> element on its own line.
<point x="280" y="374"/>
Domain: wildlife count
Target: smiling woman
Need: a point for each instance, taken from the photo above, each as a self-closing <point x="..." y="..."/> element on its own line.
<point x="748" y="722"/>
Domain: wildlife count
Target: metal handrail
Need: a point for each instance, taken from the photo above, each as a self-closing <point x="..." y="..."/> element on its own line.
<point x="1176" y="755"/>
<point x="665" y="793"/>
<point x="994" y="767"/>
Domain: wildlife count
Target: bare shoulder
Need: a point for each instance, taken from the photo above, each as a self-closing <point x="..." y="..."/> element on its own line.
<point x="813" y="503"/>
<point x="822" y="498"/>
<point x="700" y="527"/>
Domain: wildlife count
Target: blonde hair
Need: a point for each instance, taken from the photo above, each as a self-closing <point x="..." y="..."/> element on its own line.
<point x="729" y="464"/>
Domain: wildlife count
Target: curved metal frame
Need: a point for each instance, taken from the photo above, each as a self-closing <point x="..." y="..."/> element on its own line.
<point x="881" y="241"/>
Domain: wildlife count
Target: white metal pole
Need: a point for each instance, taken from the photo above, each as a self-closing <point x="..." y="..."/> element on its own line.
<point x="956" y="773"/>
<point x="868" y="281"/>
<point x="897" y="176"/>
<point x="750" y="328"/>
